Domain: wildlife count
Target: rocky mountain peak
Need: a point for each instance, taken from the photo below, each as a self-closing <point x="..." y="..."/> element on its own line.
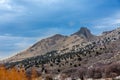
<point x="84" y="31"/>
<point x="55" y="42"/>
<point x="57" y="37"/>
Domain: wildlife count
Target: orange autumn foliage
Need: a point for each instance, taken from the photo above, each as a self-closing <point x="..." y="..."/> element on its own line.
<point x="14" y="74"/>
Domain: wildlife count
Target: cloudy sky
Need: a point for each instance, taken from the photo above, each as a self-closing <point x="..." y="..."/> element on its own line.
<point x="24" y="22"/>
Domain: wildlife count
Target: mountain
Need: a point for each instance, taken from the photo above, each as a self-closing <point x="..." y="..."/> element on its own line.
<point x="56" y="42"/>
<point x="74" y="56"/>
<point x="86" y="33"/>
<point x="41" y="47"/>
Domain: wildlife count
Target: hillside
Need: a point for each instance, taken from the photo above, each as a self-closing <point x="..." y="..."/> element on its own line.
<point x="56" y="42"/>
<point x="81" y="53"/>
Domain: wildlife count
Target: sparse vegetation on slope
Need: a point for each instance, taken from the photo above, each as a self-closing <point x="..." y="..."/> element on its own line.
<point x="97" y="58"/>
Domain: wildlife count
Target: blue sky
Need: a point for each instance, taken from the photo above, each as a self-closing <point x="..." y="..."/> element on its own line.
<point x="24" y="22"/>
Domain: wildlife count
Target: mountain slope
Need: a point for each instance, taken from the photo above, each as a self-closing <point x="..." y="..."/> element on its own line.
<point x="56" y="42"/>
<point x="95" y="59"/>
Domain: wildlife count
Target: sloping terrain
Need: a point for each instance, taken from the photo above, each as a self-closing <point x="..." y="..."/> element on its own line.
<point x="56" y="42"/>
<point x="95" y="58"/>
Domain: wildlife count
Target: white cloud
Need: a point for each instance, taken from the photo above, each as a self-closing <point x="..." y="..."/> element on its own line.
<point x="10" y="10"/>
<point x="46" y="2"/>
<point x="5" y="5"/>
<point x="71" y="24"/>
<point x="9" y="5"/>
<point x="18" y="40"/>
<point x="117" y="21"/>
<point x="108" y="22"/>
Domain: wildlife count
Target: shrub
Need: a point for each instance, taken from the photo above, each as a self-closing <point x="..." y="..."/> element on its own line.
<point x="12" y="74"/>
<point x="48" y="77"/>
<point x="15" y="74"/>
<point x="113" y="70"/>
<point x="94" y="73"/>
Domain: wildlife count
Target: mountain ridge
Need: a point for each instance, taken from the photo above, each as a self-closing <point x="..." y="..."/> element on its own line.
<point x="85" y="32"/>
<point x="55" y="42"/>
<point x="97" y="57"/>
<point x="58" y="42"/>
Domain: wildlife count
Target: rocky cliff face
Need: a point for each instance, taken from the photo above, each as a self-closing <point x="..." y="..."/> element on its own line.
<point x="84" y="32"/>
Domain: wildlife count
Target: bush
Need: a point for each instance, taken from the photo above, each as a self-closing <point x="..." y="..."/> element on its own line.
<point x="12" y="74"/>
<point x="15" y="74"/>
<point x="48" y="77"/>
<point x="113" y="70"/>
<point x="95" y="73"/>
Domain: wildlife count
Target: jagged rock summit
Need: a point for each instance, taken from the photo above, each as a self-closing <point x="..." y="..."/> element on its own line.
<point x="85" y="32"/>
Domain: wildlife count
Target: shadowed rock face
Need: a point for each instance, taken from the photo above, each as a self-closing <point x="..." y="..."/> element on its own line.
<point x="85" y="32"/>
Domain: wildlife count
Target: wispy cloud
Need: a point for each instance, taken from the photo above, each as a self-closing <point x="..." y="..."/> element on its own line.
<point x="112" y="21"/>
<point x="10" y="11"/>
<point x="5" y="5"/>
<point x="106" y="23"/>
<point x="47" y="2"/>
<point x="11" y="45"/>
